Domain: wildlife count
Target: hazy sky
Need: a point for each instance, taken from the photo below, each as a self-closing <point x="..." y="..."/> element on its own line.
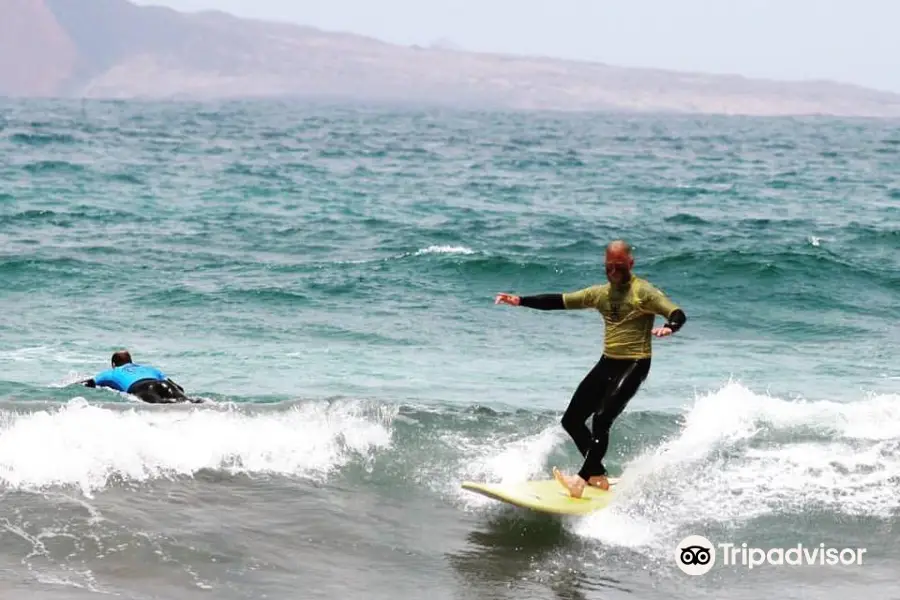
<point x="856" y="42"/>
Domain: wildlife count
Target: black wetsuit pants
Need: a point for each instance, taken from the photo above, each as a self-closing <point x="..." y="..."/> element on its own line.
<point x="603" y="393"/>
<point x="157" y="392"/>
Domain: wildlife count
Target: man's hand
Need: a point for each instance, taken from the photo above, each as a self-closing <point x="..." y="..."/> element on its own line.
<point x="510" y="299"/>
<point x="661" y="331"/>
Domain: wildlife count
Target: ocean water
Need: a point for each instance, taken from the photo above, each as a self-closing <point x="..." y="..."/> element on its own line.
<point x="324" y="278"/>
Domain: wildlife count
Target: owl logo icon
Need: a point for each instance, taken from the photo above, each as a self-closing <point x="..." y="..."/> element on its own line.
<point x="695" y="555"/>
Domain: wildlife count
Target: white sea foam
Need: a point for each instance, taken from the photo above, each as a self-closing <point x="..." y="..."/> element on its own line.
<point x="87" y="445"/>
<point x="445" y="250"/>
<point x="742" y="455"/>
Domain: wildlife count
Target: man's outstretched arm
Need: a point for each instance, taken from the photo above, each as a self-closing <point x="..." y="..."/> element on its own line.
<point x="585" y="298"/>
<point x="543" y="302"/>
<point x="539" y="301"/>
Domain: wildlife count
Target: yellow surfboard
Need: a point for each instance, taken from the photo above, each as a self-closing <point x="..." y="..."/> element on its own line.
<point x="546" y="496"/>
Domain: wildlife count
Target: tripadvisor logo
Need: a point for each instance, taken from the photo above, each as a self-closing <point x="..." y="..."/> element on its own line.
<point x="696" y="555"/>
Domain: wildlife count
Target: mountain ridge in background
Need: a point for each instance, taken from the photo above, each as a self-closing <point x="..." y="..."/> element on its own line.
<point x="114" y="49"/>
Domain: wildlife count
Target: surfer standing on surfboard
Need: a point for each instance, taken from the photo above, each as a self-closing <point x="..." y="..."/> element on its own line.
<point x="629" y="306"/>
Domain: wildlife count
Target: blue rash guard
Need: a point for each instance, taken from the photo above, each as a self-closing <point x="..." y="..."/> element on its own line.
<point x="122" y="378"/>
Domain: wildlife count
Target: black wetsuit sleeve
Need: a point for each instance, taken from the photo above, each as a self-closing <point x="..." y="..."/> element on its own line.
<point x="676" y="320"/>
<point x="89" y="383"/>
<point x="543" y="302"/>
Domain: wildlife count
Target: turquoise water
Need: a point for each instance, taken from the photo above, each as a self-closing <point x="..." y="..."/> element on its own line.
<point x="326" y="276"/>
<point x="270" y="251"/>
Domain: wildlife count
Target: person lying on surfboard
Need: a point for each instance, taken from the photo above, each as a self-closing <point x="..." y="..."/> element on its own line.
<point x="629" y="305"/>
<point x="147" y="383"/>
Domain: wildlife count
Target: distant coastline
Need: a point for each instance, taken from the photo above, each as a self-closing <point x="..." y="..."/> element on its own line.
<point x="117" y="50"/>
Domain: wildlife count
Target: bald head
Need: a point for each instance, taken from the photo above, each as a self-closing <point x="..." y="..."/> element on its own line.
<point x="619" y="261"/>
<point x="619" y="248"/>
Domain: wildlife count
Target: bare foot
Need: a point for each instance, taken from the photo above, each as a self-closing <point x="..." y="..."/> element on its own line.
<point x="599" y="481"/>
<point x="573" y="483"/>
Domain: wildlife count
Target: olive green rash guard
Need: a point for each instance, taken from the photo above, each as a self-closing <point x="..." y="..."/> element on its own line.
<point x="628" y="311"/>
